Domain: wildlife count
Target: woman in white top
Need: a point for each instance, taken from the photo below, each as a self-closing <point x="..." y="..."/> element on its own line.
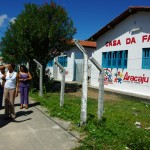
<point x="10" y="91"/>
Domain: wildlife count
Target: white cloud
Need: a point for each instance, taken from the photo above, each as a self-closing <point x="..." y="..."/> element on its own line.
<point x="12" y="20"/>
<point x="2" y="19"/>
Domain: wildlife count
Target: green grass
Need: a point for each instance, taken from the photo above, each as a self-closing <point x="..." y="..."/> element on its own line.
<point x="115" y="131"/>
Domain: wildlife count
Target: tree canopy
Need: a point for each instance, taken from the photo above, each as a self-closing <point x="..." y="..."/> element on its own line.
<point x="39" y="32"/>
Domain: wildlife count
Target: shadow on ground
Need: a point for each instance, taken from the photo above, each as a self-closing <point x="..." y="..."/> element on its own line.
<point x="31" y="105"/>
<point x="69" y="87"/>
<point x="23" y="113"/>
<point x="4" y="121"/>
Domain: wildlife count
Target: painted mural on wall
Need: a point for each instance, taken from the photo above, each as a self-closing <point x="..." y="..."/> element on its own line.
<point x="108" y="77"/>
<point x="120" y="77"/>
<point x="66" y="71"/>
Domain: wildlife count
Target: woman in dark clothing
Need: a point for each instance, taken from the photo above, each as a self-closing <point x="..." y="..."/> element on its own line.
<point x="24" y="78"/>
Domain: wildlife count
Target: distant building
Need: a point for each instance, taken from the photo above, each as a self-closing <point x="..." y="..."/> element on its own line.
<point x="122" y="48"/>
<point x="72" y="61"/>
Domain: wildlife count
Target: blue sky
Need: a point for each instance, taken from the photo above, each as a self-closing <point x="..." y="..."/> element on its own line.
<point x="88" y="16"/>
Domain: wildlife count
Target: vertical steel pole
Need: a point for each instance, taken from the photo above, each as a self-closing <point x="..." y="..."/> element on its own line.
<point x="101" y="88"/>
<point x="101" y="95"/>
<point x="28" y="65"/>
<point x="84" y="84"/>
<point x="41" y="80"/>
<point x="84" y="91"/>
<point x="41" y="77"/>
<point x="62" y="83"/>
<point x="62" y="89"/>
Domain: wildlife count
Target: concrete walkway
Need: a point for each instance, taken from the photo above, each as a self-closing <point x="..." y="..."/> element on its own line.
<point x="33" y="129"/>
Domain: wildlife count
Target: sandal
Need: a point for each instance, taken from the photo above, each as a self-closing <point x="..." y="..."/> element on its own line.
<point x="26" y="107"/>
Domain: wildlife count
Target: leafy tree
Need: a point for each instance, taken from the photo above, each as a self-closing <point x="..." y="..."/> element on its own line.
<point x="39" y="32"/>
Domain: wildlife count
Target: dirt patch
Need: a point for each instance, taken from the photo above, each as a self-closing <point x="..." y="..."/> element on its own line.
<point x="94" y="94"/>
<point x="76" y="90"/>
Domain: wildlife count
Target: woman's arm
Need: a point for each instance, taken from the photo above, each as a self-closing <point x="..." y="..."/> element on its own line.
<point x="3" y="79"/>
<point x="17" y="85"/>
<point x="29" y="76"/>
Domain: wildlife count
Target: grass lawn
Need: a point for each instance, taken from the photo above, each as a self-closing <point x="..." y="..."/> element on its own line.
<point x="115" y="131"/>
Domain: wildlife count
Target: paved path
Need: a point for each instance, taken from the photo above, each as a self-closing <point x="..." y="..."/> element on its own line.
<point x="33" y="129"/>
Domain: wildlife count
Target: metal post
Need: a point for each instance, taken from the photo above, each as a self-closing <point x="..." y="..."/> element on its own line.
<point x="41" y="77"/>
<point x="41" y="80"/>
<point x="62" y="83"/>
<point x="101" y="88"/>
<point x="28" y="65"/>
<point x="84" y="84"/>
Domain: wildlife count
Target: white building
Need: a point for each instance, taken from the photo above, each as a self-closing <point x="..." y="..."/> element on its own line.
<point x="123" y="50"/>
<point x="72" y="61"/>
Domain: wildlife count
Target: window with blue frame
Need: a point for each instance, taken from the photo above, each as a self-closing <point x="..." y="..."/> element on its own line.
<point x="115" y="59"/>
<point x="125" y="59"/>
<point x="63" y="60"/>
<point x="109" y="59"/>
<point x="146" y="58"/>
<point x="104" y="59"/>
<point x="50" y="63"/>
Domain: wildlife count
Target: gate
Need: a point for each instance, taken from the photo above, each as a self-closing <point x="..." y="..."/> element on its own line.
<point x="78" y="71"/>
<point x="55" y="71"/>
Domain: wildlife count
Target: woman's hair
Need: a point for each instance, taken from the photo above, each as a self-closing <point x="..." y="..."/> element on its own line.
<point x="25" y="69"/>
<point x="2" y="69"/>
<point x="13" y="66"/>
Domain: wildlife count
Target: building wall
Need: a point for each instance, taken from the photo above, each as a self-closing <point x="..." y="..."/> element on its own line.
<point x="132" y="79"/>
<point x="74" y="56"/>
<point x="56" y="72"/>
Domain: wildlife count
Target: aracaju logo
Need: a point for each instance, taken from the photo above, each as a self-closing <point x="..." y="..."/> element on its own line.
<point x="136" y="79"/>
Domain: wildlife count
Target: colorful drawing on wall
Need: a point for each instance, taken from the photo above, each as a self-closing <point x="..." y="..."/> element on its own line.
<point x="67" y="72"/>
<point x="118" y="77"/>
<point x="107" y="77"/>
